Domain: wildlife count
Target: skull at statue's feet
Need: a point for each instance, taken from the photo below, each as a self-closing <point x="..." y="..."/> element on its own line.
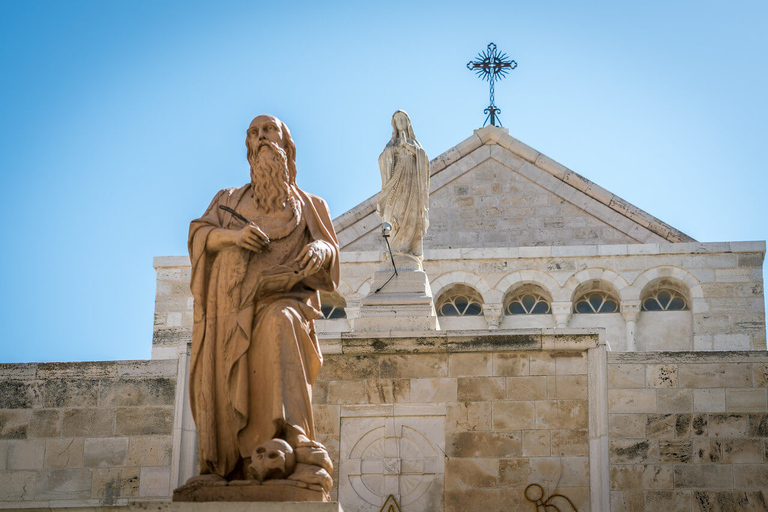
<point x="272" y="460"/>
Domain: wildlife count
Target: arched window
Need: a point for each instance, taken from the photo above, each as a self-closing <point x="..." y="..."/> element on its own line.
<point x="460" y="300"/>
<point x="665" y="299"/>
<point x="527" y="300"/>
<point x="596" y="301"/>
<point x="332" y="306"/>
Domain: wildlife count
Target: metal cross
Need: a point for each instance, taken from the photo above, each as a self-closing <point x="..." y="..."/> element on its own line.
<point x="492" y="65"/>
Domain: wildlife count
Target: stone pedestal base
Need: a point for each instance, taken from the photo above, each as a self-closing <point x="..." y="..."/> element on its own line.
<point x="250" y="490"/>
<point x="403" y="301"/>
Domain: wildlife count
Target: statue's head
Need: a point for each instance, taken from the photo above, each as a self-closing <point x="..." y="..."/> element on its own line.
<point x="266" y="129"/>
<point x="274" y="459"/>
<point x="401" y="123"/>
<point x="272" y="155"/>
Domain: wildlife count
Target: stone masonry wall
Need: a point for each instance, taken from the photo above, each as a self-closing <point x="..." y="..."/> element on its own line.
<point x="689" y="431"/>
<point x="84" y="434"/>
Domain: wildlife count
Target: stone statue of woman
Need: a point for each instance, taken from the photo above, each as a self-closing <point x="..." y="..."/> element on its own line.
<point x="404" y="198"/>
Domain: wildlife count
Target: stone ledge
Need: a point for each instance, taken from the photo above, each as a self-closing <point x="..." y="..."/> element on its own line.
<point x="170" y="261"/>
<point x="425" y="342"/>
<point x="235" y="506"/>
<point x="714" y="357"/>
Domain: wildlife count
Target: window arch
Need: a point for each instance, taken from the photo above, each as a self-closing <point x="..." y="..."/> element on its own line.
<point x="460" y="300"/>
<point x="595" y="297"/>
<point x="528" y="300"/>
<point x="332" y="306"/>
<point x="665" y="295"/>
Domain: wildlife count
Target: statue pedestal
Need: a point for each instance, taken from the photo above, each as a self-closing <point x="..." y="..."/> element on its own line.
<point x="249" y="490"/>
<point x="403" y="301"/>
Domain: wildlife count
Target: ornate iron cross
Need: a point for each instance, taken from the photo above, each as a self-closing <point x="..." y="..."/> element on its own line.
<point x="492" y="65"/>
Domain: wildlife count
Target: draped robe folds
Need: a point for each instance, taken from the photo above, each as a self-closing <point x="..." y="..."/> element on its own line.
<point x="253" y="365"/>
<point x="404" y="197"/>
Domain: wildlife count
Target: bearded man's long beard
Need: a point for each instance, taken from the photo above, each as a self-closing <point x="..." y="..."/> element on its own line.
<point x="269" y="177"/>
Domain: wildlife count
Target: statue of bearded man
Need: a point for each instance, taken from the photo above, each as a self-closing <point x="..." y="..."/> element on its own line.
<point x="255" y="354"/>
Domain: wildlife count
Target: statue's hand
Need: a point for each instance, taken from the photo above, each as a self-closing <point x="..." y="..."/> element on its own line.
<point x="252" y="238"/>
<point x="312" y="257"/>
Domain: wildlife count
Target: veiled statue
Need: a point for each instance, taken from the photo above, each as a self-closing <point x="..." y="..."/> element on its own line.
<point x="404" y="198"/>
<point x="260" y="255"/>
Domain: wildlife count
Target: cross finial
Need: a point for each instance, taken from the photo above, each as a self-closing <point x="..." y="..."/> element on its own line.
<point x="492" y="65"/>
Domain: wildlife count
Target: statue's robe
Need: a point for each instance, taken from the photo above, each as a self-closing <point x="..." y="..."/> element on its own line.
<point x="404" y="197"/>
<point x="253" y="365"/>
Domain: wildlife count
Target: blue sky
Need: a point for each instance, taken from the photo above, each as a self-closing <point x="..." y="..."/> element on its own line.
<point x="120" y="120"/>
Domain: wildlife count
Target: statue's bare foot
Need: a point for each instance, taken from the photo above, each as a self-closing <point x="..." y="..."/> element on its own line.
<point x="207" y="478"/>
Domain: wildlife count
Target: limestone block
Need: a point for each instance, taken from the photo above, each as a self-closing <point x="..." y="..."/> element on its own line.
<point x="528" y="388"/>
<point x="346" y="392"/>
<point x="668" y="501"/>
<point x="560" y="472"/>
<point x="414" y="366"/>
<point x="542" y="363"/>
<point x="627" y="501"/>
<point x="660" y="426"/>
<point x="16" y="394"/>
<point x="88" y="422"/>
<point x="128" y="392"/>
<point x="45" y="423"/>
<point x="112" y="483"/>
<point x="64" y="453"/>
<point x="105" y="452"/>
<point x="674" y="400"/>
<point x="567" y="443"/>
<point x="707" y="450"/>
<point x="382" y="391"/>
<point x="513" y="415"/>
<point x="732" y="342"/>
<point x="155" y="482"/>
<point x="153" y="450"/>
<point x="727" y="425"/>
<point x="513" y="472"/>
<point x="675" y="451"/>
<point x="627" y="425"/>
<point x="742" y="451"/>
<point x="484" y="444"/>
<point x="703" y="476"/>
<point x="473" y="499"/>
<point x="22" y="454"/>
<point x="70" y="392"/>
<point x="634" y="451"/>
<point x="760" y="375"/>
<point x="642" y="476"/>
<point x="17" y="485"/>
<point x="470" y="473"/>
<point x="320" y="392"/>
<point x="722" y="501"/>
<point x="143" y="421"/>
<point x="661" y="376"/>
<point x="631" y="400"/>
<point x="626" y="376"/>
<point x="510" y="364"/>
<point x="691" y="425"/>
<point x="565" y="387"/>
<point x="481" y="388"/>
<point x="468" y="365"/>
<point x="468" y="416"/>
<point x="327" y="420"/>
<point x="58" y="484"/>
<point x="709" y="400"/>
<point x="537" y="443"/>
<point x="561" y="414"/>
<point x="434" y="390"/>
<point x="746" y="400"/>
<point x="349" y="367"/>
<point x="571" y="363"/>
<point x="757" y="425"/>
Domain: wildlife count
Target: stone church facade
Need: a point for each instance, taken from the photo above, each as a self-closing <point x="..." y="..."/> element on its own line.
<point x="584" y="346"/>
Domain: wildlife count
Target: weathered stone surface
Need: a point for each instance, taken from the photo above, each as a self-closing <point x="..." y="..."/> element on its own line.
<point x="17" y="485"/>
<point x="537" y="443"/>
<point x="387" y="391"/>
<point x="627" y="425"/>
<point x="571" y="363"/>
<point x="64" y="453"/>
<point x="757" y="425"/>
<point x="626" y="376"/>
<point x="481" y="388"/>
<point x="127" y="392"/>
<point x="25" y="454"/>
<point x="468" y="416"/>
<point x="542" y="363"/>
<point x="434" y="390"/>
<point x="58" y="484"/>
<point x="633" y="451"/>
<point x="471" y="473"/>
<point x="327" y="420"/>
<point x="675" y="451"/>
<point x="14" y="423"/>
<point x="112" y="483"/>
<point x="660" y="426"/>
<point x="346" y="392"/>
<point x="724" y="375"/>
<point x="560" y="471"/>
<point x="561" y="414"/>
<point x="349" y="367"/>
<point x="514" y="472"/>
<point x="627" y="501"/>
<point x="568" y="443"/>
<point x="528" y="388"/>
<point x="70" y="392"/>
<point x="16" y="394"/>
<point x="727" y="501"/>
<point x="470" y="365"/>
<point x="88" y="422"/>
<point x="513" y="415"/>
<point x="484" y="444"/>
<point x="703" y="476"/>
<point x="709" y="400"/>
<point x="727" y="425"/>
<point x="565" y="387"/>
<point x="668" y="501"/>
<point x="250" y="491"/>
<point x="143" y="421"/>
<point x="742" y="451"/>
<point x="105" y="452"/>
<point x="750" y="476"/>
<point x="642" y="477"/>
<point x="674" y="400"/>
<point x="153" y="450"/>
<point x="154" y="481"/>
<point x="414" y="366"/>
<point x="746" y="400"/>
<point x="45" y="423"/>
<point x="510" y="364"/>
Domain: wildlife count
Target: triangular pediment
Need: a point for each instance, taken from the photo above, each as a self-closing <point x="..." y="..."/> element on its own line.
<point x="491" y="190"/>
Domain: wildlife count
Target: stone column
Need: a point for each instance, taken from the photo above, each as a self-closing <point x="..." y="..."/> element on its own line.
<point x="630" y="311"/>
<point x="562" y="313"/>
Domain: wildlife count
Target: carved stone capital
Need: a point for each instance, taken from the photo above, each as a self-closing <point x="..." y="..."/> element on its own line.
<point x="562" y="313"/>
<point x="630" y="310"/>
<point x="493" y="315"/>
